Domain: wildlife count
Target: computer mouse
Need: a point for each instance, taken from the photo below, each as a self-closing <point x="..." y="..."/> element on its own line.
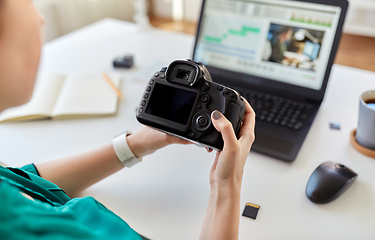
<point x="329" y="181"/>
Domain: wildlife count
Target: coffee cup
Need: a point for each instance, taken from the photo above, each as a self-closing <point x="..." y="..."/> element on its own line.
<point x="365" y="133"/>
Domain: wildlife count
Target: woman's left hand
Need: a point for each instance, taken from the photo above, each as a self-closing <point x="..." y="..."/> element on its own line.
<point x="148" y="140"/>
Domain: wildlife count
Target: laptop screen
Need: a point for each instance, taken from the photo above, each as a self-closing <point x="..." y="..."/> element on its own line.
<point x="282" y="40"/>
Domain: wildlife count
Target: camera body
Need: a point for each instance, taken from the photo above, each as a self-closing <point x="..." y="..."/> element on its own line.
<point x="179" y="100"/>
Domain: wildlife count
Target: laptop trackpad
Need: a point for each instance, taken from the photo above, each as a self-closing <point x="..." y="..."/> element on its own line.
<point x="273" y="143"/>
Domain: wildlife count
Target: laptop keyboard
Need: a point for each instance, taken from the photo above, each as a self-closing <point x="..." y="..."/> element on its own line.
<point x="277" y="110"/>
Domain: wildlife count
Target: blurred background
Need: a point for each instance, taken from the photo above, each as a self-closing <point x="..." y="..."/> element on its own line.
<point x="357" y="47"/>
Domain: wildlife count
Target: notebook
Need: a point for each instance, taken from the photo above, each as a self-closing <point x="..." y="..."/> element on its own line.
<point x="278" y="54"/>
<point x="58" y="96"/>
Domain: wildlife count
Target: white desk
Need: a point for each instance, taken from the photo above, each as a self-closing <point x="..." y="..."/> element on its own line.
<point x="165" y="197"/>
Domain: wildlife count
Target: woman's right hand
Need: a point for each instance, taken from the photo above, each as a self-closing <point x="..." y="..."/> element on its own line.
<point x="223" y="210"/>
<point x="229" y="163"/>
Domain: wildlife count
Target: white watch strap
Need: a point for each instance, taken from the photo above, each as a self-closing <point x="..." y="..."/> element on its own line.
<point x="122" y="150"/>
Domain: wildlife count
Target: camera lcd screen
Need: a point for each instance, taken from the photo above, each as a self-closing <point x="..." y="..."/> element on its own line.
<point x="171" y="103"/>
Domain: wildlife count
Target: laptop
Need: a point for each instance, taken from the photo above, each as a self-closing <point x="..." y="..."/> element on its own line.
<point x="278" y="54"/>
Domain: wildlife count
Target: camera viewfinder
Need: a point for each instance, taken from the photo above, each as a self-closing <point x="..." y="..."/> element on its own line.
<point x="183" y="74"/>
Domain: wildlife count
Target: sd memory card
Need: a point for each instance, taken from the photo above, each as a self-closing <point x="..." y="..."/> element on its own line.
<point x="251" y="210"/>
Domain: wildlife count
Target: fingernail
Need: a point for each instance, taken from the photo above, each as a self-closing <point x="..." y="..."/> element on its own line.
<point x="216" y="115"/>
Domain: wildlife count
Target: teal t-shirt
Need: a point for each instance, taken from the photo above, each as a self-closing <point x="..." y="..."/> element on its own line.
<point x="52" y="214"/>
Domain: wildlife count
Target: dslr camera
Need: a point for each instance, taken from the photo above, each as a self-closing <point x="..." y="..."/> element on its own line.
<point x="179" y="100"/>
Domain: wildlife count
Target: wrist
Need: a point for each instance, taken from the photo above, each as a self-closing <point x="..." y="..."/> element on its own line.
<point x="142" y="145"/>
<point x="231" y="181"/>
<point x="147" y="141"/>
<point x="123" y="151"/>
<point x="227" y="191"/>
<point x="135" y="146"/>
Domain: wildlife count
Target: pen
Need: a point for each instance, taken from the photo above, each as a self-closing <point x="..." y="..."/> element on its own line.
<point x="109" y="81"/>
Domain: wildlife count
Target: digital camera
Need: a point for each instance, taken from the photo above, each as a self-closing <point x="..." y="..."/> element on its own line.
<point x="179" y="100"/>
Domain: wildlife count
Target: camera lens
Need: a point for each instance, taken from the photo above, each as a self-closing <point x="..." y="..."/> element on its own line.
<point x="183" y="74"/>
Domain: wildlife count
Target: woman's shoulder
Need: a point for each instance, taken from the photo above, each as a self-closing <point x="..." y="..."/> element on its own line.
<point x="79" y="218"/>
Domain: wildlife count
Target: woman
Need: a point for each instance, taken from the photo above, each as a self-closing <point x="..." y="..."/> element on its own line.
<point x="37" y="201"/>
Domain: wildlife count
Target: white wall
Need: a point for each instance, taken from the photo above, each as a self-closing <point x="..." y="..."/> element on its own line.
<point x="64" y="16"/>
<point x="360" y="19"/>
<point x="163" y="8"/>
<point x="192" y="10"/>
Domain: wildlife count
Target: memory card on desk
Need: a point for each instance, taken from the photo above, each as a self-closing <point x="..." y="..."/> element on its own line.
<point x="251" y="210"/>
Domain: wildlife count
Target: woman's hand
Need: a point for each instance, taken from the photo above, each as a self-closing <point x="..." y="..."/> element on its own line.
<point x="229" y="163"/>
<point x="223" y="210"/>
<point x="148" y="140"/>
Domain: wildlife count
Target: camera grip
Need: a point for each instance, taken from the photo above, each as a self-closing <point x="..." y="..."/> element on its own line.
<point x="233" y="116"/>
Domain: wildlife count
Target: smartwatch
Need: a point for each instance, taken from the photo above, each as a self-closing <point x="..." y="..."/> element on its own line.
<point x="122" y="150"/>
